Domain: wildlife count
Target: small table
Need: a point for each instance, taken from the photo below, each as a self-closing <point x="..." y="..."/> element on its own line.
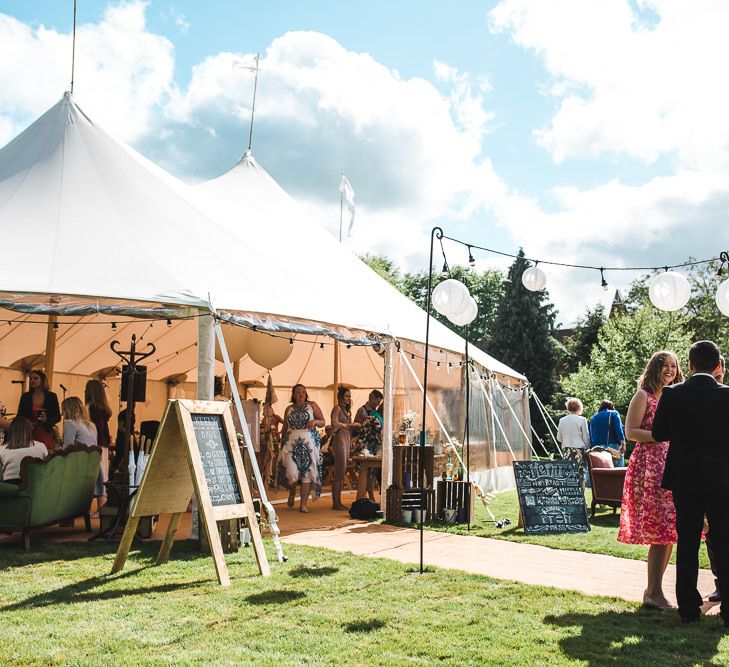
<point x="366" y="464"/>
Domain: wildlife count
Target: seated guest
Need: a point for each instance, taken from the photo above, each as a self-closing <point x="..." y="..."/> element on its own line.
<point x="19" y="444"/>
<point x="40" y="405"/>
<point x="606" y="430"/>
<point x="78" y="429"/>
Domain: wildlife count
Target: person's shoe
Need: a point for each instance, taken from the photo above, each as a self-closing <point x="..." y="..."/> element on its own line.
<point x="340" y="508"/>
<point x="305" y="510"/>
<point x="715" y="596"/>
<point x="292" y="497"/>
<point x="658" y="603"/>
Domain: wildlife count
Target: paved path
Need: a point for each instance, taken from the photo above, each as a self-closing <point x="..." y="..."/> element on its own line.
<point x="592" y="574"/>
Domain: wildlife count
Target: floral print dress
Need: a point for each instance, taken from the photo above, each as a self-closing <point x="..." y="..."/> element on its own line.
<point x="300" y="457"/>
<point x="648" y="515"/>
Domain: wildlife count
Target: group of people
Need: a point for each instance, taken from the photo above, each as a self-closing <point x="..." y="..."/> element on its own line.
<point x="677" y="482"/>
<point x="604" y="430"/>
<point x="300" y="459"/>
<point x="33" y="431"/>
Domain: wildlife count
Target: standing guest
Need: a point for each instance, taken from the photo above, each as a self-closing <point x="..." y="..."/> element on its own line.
<point x="40" y="405"/>
<point x="4" y="421"/>
<point x="606" y="430"/>
<point x="340" y="443"/>
<point x="19" y="444"/>
<point x="574" y="434"/>
<point x="100" y="413"/>
<point x="693" y="416"/>
<point x="370" y="435"/>
<point x="718" y="375"/>
<point x="121" y="441"/>
<point x="648" y="515"/>
<point x="300" y="457"/>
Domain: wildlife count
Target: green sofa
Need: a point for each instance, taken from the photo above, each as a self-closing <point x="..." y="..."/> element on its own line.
<point x="55" y="489"/>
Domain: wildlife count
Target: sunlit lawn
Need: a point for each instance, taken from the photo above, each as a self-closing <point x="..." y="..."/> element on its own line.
<point x="602" y="539"/>
<point x="59" y="605"/>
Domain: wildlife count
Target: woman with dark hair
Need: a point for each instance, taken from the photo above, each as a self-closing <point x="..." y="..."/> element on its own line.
<point x="300" y="457"/>
<point x="606" y="430"/>
<point x="40" y="406"/>
<point x="648" y="515"/>
<point x="19" y="445"/>
<point x="341" y="443"/>
<point x="100" y="414"/>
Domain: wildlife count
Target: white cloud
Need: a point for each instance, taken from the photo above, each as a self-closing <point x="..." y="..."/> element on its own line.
<point x="122" y="71"/>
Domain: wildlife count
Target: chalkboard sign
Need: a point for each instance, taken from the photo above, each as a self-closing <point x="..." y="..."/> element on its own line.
<point x="550" y="497"/>
<point x="212" y="441"/>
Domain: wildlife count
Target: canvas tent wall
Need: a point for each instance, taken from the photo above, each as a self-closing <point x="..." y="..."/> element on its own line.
<point x="115" y="240"/>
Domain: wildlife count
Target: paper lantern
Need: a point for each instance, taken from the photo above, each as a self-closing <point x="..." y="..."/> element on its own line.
<point x="467" y="314"/>
<point x="534" y="279"/>
<point x="268" y="351"/>
<point x="722" y="298"/>
<point x="669" y="291"/>
<point x="236" y="339"/>
<point x="450" y="297"/>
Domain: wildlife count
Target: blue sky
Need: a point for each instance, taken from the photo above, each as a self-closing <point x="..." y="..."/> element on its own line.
<point x="590" y="131"/>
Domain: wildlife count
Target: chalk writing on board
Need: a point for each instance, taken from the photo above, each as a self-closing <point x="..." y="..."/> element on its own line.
<point x="212" y="442"/>
<point x="550" y="497"/>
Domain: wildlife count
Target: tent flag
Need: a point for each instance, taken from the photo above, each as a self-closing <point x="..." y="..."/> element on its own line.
<point x="347" y="192"/>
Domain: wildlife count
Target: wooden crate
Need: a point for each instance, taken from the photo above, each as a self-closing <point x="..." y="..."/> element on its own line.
<point x="455" y="495"/>
<point x="396" y="500"/>
<point x="406" y="466"/>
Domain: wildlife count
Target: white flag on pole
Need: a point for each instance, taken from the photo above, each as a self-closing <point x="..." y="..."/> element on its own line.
<point x="347" y="192"/>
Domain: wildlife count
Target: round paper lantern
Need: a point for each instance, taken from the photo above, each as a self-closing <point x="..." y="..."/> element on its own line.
<point x="450" y="297"/>
<point x="534" y="279"/>
<point x="722" y="298"/>
<point x="268" y="351"/>
<point x="236" y="339"/>
<point x="669" y="291"/>
<point x="467" y="314"/>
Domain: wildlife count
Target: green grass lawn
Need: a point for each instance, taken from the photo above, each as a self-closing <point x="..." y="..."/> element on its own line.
<point x="59" y="605"/>
<point x="602" y="539"/>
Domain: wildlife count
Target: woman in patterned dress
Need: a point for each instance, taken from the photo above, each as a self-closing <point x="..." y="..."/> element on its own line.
<point x="648" y="515"/>
<point x="300" y="459"/>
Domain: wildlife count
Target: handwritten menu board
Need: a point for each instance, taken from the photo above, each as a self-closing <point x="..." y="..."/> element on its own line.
<point x="550" y="497"/>
<point x="212" y="442"/>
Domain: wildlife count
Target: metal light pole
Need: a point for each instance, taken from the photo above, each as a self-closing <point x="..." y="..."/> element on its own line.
<point x="436" y="233"/>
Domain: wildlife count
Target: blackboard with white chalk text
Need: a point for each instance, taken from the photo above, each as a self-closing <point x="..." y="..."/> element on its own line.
<point x="550" y="497"/>
<point x="212" y="442"/>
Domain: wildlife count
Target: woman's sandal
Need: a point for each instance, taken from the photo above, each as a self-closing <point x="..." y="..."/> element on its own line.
<point x="657" y="603"/>
<point x="305" y="510"/>
<point x="292" y="498"/>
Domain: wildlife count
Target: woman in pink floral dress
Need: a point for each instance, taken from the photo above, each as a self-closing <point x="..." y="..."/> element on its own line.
<point x="648" y="515"/>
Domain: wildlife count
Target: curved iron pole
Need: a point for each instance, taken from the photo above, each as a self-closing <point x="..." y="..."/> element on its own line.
<point x="436" y="232"/>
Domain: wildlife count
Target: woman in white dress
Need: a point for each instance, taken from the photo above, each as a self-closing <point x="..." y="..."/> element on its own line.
<point x="300" y="458"/>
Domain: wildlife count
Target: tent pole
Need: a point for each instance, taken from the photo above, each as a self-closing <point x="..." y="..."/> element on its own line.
<point x="236" y="375"/>
<point x="51" y="347"/>
<point x="205" y="383"/>
<point x="388" y="413"/>
<point x="335" y="383"/>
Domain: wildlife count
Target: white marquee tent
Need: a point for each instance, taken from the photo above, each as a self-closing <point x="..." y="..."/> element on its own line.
<point x="100" y="243"/>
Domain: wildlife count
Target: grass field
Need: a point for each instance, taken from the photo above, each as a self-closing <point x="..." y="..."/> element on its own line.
<point x="602" y="539"/>
<point x="59" y="605"/>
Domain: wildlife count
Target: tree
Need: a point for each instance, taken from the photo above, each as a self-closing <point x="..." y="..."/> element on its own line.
<point x="579" y="345"/>
<point x="485" y="287"/>
<point x="523" y="333"/>
<point x="384" y="266"/>
<point x="624" y="345"/>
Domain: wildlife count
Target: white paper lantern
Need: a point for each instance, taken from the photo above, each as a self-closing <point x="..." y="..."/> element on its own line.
<point x="467" y="314"/>
<point x="669" y="291"/>
<point x="236" y="339"/>
<point x="722" y="298"/>
<point x="268" y="351"/>
<point x="450" y="297"/>
<point x="534" y="279"/>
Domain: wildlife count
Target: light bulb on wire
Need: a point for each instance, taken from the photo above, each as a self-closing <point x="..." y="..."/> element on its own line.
<point x="603" y="282"/>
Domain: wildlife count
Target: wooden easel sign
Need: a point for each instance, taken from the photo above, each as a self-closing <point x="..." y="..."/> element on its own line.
<point x="196" y="448"/>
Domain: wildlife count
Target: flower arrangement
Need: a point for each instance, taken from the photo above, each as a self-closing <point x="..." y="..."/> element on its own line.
<point x="407" y="420"/>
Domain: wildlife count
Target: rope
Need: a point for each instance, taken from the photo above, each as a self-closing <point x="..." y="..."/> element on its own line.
<point x="498" y="421"/>
<point x="518" y="423"/>
<point x="545" y="418"/>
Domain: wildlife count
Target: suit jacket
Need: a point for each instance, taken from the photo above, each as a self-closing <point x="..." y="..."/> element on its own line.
<point x="694" y="417"/>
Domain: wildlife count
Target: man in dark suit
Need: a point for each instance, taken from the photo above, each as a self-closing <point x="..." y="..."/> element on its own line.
<point x="694" y="417"/>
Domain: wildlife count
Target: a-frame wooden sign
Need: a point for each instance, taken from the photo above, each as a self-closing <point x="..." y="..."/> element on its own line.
<point x="196" y="448"/>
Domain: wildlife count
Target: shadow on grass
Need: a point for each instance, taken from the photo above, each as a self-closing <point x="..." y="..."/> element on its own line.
<point x="364" y="626"/>
<point x="303" y="571"/>
<point x="642" y="637"/>
<point x="275" y="597"/>
<point x="83" y="591"/>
